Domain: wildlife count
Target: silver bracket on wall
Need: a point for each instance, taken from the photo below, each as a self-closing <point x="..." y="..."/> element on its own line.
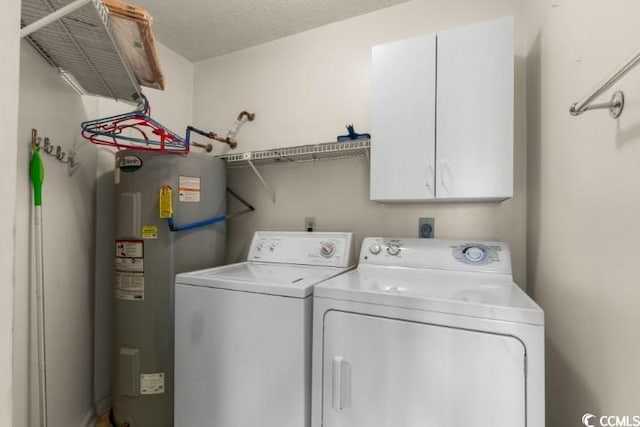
<point x="616" y="103"/>
<point x="615" y="106"/>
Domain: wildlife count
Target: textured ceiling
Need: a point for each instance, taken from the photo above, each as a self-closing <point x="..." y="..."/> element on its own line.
<point x="201" y="29"/>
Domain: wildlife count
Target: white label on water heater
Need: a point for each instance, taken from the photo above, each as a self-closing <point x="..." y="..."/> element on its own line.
<point x="129" y="286"/>
<point x="129" y="263"/>
<point x="152" y="383"/>
<point x="189" y="190"/>
<point x="129" y="248"/>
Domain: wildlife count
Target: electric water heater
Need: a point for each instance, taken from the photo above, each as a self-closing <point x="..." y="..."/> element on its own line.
<point x="169" y="219"/>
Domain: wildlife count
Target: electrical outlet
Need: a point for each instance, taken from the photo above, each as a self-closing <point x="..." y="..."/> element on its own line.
<point x="426" y="228"/>
<point x="309" y="223"/>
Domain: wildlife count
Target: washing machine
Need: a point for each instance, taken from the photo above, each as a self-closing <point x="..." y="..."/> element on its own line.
<point x="243" y="332"/>
<point x="427" y="333"/>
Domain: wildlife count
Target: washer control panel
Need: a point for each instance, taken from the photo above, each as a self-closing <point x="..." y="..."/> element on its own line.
<point x="316" y="248"/>
<point x="434" y="253"/>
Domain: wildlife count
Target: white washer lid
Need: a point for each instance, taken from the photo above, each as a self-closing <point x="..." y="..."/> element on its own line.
<point x="264" y="278"/>
<point x="482" y="295"/>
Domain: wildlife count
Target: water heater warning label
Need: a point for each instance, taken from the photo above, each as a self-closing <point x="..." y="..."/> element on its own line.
<point x="189" y="189"/>
<point x="129" y="264"/>
<point x="129" y="249"/>
<point x="166" y="202"/>
<point x="152" y="383"/>
<point x="149" y="232"/>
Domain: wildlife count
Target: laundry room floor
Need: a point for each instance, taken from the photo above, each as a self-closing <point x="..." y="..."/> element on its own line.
<point x="103" y="421"/>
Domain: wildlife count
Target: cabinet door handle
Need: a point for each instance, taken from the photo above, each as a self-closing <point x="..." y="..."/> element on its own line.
<point x="341" y="391"/>
<point x="429" y="176"/>
<point x="444" y="169"/>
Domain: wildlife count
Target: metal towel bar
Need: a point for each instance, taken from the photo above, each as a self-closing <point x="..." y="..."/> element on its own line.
<point x="616" y="103"/>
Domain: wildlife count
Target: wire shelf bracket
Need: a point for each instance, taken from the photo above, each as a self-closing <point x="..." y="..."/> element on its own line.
<point x="296" y="154"/>
<point x="262" y="181"/>
<point x="76" y="37"/>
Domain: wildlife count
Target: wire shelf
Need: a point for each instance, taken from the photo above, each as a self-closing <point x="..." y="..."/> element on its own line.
<point x="298" y="154"/>
<point x="83" y="47"/>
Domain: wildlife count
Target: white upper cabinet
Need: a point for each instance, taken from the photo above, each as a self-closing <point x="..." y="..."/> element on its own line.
<point x="403" y="79"/>
<point x="474" y="104"/>
<point x="442" y="116"/>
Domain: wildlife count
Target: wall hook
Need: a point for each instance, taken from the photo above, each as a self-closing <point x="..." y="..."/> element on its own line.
<point x="56" y="151"/>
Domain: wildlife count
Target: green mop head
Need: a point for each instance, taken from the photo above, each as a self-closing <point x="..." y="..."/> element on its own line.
<point x="36" y="172"/>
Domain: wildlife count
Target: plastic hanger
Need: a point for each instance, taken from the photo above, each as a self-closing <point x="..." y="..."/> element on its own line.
<point x="121" y="131"/>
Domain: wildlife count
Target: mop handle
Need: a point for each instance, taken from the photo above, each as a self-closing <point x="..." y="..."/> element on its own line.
<point x="36" y="173"/>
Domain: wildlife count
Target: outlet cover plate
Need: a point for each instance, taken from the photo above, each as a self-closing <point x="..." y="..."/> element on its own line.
<point x="426" y="228"/>
<point x="309" y="223"/>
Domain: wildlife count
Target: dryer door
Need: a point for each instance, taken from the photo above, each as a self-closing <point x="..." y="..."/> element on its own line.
<point x="381" y="372"/>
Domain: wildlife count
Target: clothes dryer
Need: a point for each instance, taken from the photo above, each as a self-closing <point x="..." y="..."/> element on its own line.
<point x="427" y="333"/>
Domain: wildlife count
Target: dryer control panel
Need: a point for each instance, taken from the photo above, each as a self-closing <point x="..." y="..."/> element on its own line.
<point x="316" y="248"/>
<point x="463" y="255"/>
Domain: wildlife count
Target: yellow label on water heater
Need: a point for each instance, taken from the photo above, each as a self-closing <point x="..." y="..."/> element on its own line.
<point x="166" y="202"/>
<point x="149" y="232"/>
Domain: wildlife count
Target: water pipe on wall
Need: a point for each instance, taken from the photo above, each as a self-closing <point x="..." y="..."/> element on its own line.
<point x="230" y="139"/>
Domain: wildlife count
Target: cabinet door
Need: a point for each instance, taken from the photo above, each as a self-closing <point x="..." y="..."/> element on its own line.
<point x="403" y="120"/>
<point x="380" y="372"/>
<point x="474" y="129"/>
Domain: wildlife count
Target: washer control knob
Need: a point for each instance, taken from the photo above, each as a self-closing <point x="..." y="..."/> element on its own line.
<point x="259" y="247"/>
<point x="272" y="247"/>
<point x="327" y="249"/>
<point x="393" y="249"/>
<point x="474" y="254"/>
<point x="375" y="248"/>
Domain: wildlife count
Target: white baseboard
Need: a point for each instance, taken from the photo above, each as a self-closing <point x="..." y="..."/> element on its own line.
<point x="103" y="405"/>
<point x="89" y="419"/>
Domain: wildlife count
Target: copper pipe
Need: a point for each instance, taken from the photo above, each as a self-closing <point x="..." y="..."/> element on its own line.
<point x="248" y="115"/>
<point x="225" y="140"/>
<point x="230" y="138"/>
<point x="207" y="147"/>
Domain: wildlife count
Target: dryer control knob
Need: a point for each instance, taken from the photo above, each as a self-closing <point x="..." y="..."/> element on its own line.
<point x="375" y="249"/>
<point x="393" y="249"/>
<point x="327" y="249"/>
<point x="474" y="254"/>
